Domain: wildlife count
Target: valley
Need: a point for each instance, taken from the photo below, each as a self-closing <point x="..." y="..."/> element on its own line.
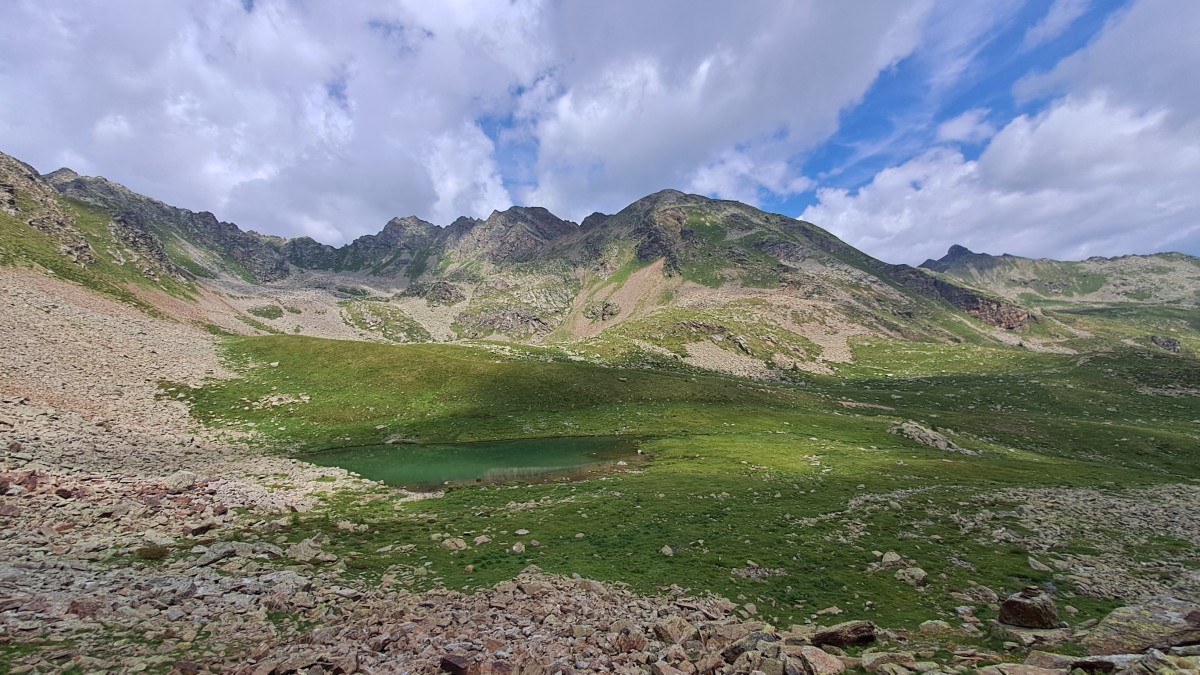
<point x="809" y="436"/>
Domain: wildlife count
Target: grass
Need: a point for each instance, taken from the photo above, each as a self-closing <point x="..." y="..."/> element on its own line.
<point x="784" y="476"/>
<point x="267" y="311"/>
<point x="258" y="325"/>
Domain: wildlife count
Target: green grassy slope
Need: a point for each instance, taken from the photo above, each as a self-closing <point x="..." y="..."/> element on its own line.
<point x="787" y="477"/>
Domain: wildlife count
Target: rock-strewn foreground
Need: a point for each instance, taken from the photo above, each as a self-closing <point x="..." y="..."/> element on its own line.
<point x="99" y="472"/>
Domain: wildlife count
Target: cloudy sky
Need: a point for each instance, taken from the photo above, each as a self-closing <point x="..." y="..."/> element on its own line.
<point x="1063" y="128"/>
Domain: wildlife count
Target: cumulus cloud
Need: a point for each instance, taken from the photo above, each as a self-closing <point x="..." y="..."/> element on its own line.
<point x="328" y="118"/>
<point x="1041" y="182"/>
<point x="310" y="118"/>
<point x="1107" y="168"/>
<point x="688" y="94"/>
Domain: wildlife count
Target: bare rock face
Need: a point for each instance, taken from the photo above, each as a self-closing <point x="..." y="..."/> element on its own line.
<point x="1031" y="608"/>
<point x="143" y="247"/>
<point x="990" y="310"/>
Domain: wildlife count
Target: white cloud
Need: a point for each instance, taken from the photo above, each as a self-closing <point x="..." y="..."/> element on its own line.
<point x="1056" y="21"/>
<point x="1085" y="178"/>
<point x="313" y="118"/>
<point x="329" y="118"/>
<point x="748" y="80"/>
<point x="969" y="127"/>
<point x="738" y="175"/>
<point x="1109" y="167"/>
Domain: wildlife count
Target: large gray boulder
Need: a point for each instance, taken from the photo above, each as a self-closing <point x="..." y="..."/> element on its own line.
<point x="1031" y="608"/>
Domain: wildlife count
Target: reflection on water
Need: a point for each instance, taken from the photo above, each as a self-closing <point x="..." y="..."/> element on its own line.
<point x="430" y="466"/>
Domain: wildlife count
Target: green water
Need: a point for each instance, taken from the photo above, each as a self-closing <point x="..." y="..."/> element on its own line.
<point x="432" y="466"/>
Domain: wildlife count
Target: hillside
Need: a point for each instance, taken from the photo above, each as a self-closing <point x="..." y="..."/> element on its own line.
<point x="1162" y="278"/>
<point x="687" y="437"/>
<point x="671" y="279"/>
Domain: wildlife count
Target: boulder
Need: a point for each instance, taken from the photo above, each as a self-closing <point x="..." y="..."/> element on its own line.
<point x="1159" y="624"/>
<point x="935" y="627"/>
<point x="1020" y="669"/>
<point x="1031" y="608"/>
<point x="873" y="662"/>
<point x="675" y="630"/>
<point x="818" y="662"/>
<point x="846" y="634"/>
<point x="928" y="437"/>
<point x="180" y="480"/>
<point x="913" y="576"/>
<point x="309" y="550"/>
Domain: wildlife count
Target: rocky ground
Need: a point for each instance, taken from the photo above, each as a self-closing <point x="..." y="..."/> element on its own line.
<point x="104" y="480"/>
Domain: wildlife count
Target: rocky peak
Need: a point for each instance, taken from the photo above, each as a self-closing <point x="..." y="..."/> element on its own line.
<point x="593" y="221"/>
<point x="516" y="234"/>
<point x="957" y="255"/>
<point x="407" y="232"/>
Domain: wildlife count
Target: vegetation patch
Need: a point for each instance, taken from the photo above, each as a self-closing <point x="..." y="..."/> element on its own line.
<point x="267" y="311"/>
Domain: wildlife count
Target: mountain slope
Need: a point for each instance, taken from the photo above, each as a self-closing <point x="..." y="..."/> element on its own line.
<point x="672" y="280"/>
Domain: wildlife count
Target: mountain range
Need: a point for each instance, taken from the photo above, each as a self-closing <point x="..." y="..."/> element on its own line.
<point x="670" y="279"/>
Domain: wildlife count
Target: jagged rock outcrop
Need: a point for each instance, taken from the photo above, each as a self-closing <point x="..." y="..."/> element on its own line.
<point x="42" y="211"/>
<point x="146" y="249"/>
<point x="990" y="310"/>
<point x="515" y="235"/>
<point x="401" y="242"/>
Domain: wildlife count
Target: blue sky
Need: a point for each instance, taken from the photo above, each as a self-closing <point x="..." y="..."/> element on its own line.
<point x="1061" y="128"/>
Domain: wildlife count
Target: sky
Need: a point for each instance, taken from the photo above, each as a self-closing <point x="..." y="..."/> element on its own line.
<point x="1044" y="128"/>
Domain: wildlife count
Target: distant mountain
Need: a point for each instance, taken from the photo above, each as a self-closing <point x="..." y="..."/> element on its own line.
<point x="671" y="278"/>
<point x="1159" y="278"/>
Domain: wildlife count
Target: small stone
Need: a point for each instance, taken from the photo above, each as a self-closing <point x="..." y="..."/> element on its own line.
<point x="1037" y="566"/>
<point x="518" y="547"/>
<point x="454" y="544"/>
<point x="935" y="627"/>
<point x="667" y="551"/>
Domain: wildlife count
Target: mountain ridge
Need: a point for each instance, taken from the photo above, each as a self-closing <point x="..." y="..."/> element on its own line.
<point x="672" y="279"/>
<point x="1168" y="276"/>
